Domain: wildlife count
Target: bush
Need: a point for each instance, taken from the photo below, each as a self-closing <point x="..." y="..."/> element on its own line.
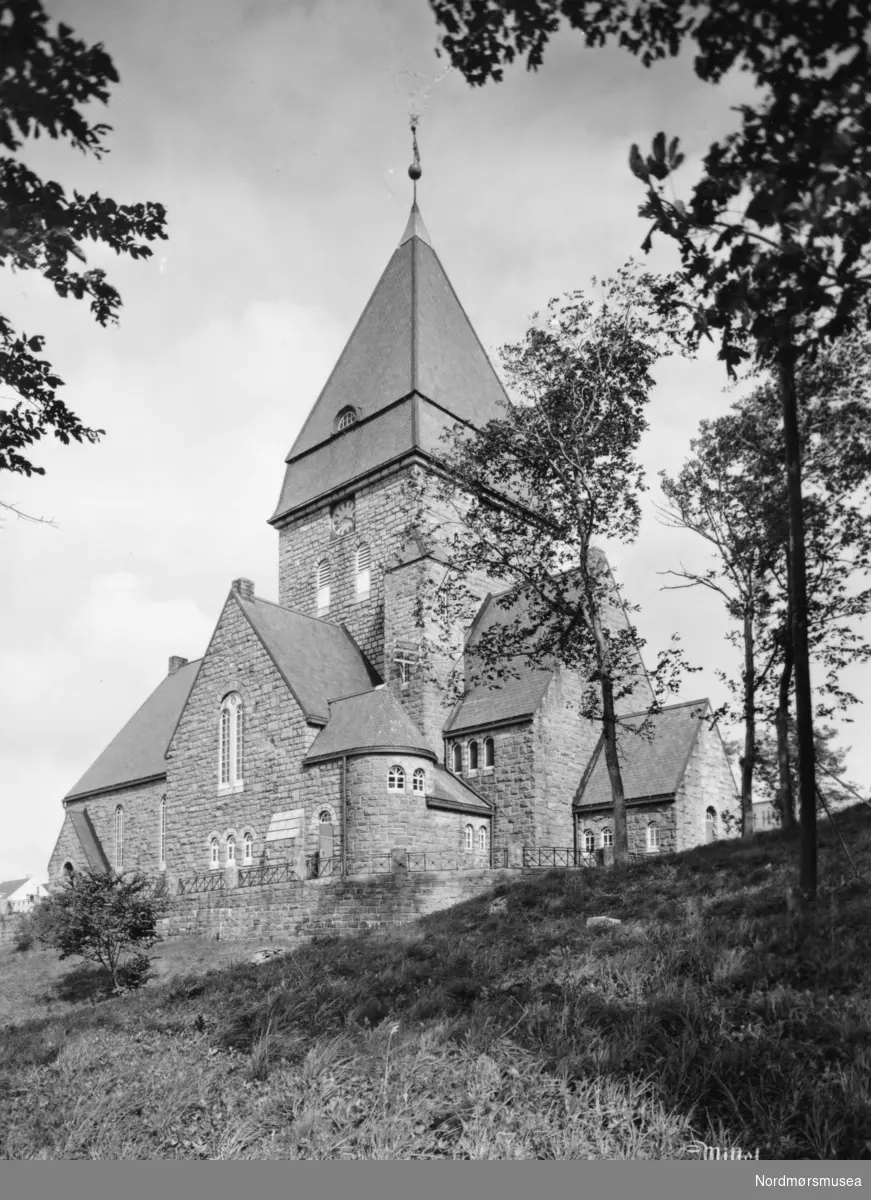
<point x="24" y="935"/>
<point x="102" y="918"/>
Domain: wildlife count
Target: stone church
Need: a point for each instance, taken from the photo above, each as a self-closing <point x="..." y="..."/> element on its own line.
<point x="306" y="729"/>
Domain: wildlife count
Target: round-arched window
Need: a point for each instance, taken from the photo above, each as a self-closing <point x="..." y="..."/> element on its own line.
<point x="346" y="418"/>
<point x="711" y="824"/>
<point x="589" y="841"/>
<point x="469" y="838"/>
<point x="473" y="756"/>
<point x="418" y="780"/>
<point x="213" y="852"/>
<point x="396" y="779"/>
<point x="653" y="837"/>
<point x="457" y="758"/>
<point x="248" y="848"/>
<point x="607" y="836"/>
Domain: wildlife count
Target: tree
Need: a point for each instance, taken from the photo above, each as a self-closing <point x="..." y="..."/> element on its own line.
<point x="776" y="234"/>
<point x="47" y="80"/>
<point x="523" y="499"/>
<point x="732" y="492"/>
<point x="716" y="498"/>
<point x="102" y="917"/>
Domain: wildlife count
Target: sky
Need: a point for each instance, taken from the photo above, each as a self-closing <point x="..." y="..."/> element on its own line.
<point x="276" y="135"/>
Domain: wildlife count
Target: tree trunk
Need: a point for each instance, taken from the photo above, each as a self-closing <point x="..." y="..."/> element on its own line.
<point x="798" y="595"/>
<point x="609" y="731"/>
<point x="785" y="800"/>
<point x="748" y="760"/>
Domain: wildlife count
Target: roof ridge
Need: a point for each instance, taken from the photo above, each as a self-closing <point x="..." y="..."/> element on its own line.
<point x="643" y="712"/>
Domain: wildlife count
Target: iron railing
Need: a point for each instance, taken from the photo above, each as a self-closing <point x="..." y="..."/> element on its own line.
<point x="557" y="856"/>
<point x="267" y="873"/>
<point x="210" y="881"/>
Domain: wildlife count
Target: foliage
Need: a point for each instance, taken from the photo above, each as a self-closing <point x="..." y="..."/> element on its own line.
<point x="775" y="238"/>
<point x="830" y="757"/>
<point x="732" y="493"/>
<point x="24" y="933"/>
<point x="524" y="497"/>
<point x="102" y="917"/>
<point x="48" y="78"/>
<point x="712" y="1015"/>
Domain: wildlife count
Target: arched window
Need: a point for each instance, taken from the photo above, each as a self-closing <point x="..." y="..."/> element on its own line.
<point x="213" y="852"/>
<point x="469" y="840"/>
<point x="396" y="779"/>
<point x="589" y="841"/>
<point x="346" y="418"/>
<point x="161" y="835"/>
<point x="482" y="837"/>
<point x="711" y="824"/>
<point x="231" y="851"/>
<point x="119" y="838"/>
<point x="325" y="817"/>
<point x="248" y="848"/>
<point x="608" y="836"/>
<point x="418" y="781"/>
<point x="652" y="838"/>
<point x="473" y="756"/>
<point x="323" y="585"/>
<point x="230" y="748"/>
<point x="489" y="753"/>
<point x="457" y="758"/>
<point x="364" y="573"/>
<point x="69" y="870"/>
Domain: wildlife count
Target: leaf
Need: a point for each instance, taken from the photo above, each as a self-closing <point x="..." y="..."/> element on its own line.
<point x="659" y="147"/>
<point x="637" y="165"/>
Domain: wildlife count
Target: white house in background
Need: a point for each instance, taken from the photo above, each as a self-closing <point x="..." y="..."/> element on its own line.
<point x="20" y="895"/>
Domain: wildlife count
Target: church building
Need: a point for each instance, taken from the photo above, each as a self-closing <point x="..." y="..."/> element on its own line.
<point x="306" y="733"/>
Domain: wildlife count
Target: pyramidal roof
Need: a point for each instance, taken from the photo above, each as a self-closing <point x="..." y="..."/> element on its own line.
<point x="413" y="339"/>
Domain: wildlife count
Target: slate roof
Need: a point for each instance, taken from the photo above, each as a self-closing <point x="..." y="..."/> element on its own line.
<point x="138" y="751"/>
<point x="11" y="885"/>
<point x="649" y="768"/>
<point x="319" y="661"/>
<point x="452" y="793"/>
<point x="88" y="840"/>
<point x="371" y="721"/>
<point x="412" y="342"/>
<point x="514" y="697"/>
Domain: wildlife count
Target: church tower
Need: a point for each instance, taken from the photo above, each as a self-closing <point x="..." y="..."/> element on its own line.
<point x="412" y="367"/>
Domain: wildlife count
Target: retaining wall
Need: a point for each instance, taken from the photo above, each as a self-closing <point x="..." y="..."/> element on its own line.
<point x="299" y="911"/>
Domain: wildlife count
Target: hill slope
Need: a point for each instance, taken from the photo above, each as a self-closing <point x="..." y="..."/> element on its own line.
<point x="506" y="1030"/>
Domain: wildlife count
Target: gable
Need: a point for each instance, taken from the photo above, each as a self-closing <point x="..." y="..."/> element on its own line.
<point x="649" y="768"/>
<point x="138" y="751"/>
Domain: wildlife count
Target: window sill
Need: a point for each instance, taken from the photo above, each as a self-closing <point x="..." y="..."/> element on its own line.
<point x="361" y="597"/>
<point x="230" y="789"/>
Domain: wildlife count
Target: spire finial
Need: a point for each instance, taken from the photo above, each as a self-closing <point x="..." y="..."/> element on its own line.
<point x="414" y="171"/>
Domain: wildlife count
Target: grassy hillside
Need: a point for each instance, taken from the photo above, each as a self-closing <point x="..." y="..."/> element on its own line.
<point x="712" y="1013"/>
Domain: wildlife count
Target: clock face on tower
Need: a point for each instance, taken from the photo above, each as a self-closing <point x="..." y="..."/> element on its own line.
<point x="342" y="517"/>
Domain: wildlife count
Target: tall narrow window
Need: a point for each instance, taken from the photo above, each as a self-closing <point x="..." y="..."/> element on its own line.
<point x="473" y="756"/>
<point x="213" y="852"/>
<point x="231" y="851"/>
<point x="418" y="781"/>
<point x="230" y="741"/>
<point x="469" y="839"/>
<point x="589" y="841"/>
<point x="119" y="838"/>
<point x="482" y="837"/>
<point x="489" y="753"/>
<point x="711" y="824"/>
<point x="652" y="838"/>
<point x="248" y="848"/>
<point x="457" y="759"/>
<point x="364" y="572"/>
<point x="607" y="837"/>
<point x="323" y="584"/>
<point x="161" y="835"/>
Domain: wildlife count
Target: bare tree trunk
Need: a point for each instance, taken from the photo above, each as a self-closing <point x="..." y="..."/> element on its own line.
<point x="785" y="799"/>
<point x="609" y="731"/>
<point x="748" y="759"/>
<point x="798" y="595"/>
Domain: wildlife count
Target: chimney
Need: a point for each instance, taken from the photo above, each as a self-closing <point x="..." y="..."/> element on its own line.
<point x="243" y="588"/>
<point x="176" y="661"/>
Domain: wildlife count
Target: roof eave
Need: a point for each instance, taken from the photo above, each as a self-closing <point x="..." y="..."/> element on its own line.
<point x="359" y="751"/>
<point x="113" y="787"/>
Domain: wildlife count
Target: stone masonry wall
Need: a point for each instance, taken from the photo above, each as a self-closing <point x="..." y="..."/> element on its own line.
<point x="141" y="829"/>
<point x="511" y="782"/>
<point x="298" y="911"/>
<point x="275" y="738"/>
<point x="707" y="781"/>
<point x="564" y="744"/>
<point x="380" y="518"/>
<point x="380" y="820"/>
<point x="638" y="817"/>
